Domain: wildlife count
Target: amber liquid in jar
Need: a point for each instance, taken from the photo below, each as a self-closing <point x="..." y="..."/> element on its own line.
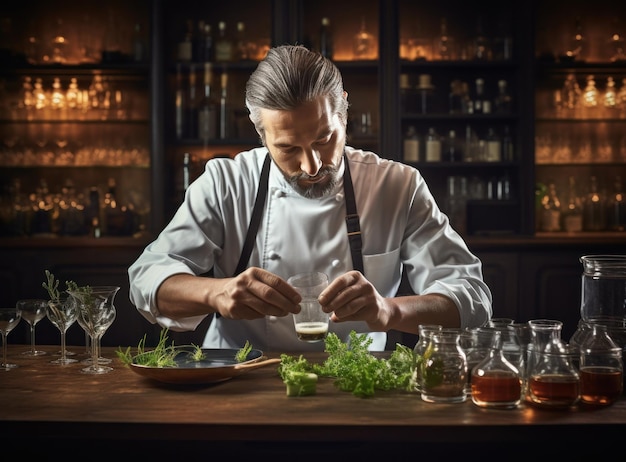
<point x="600" y="385"/>
<point x="554" y="390"/>
<point x="496" y="388"/>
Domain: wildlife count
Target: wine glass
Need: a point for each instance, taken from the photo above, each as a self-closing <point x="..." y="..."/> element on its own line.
<point x="33" y="310"/>
<point x="96" y="313"/>
<point x="9" y="318"/>
<point x="101" y="360"/>
<point x="62" y="313"/>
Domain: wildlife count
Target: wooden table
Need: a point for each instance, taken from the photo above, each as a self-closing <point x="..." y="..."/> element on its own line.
<point x="60" y="409"/>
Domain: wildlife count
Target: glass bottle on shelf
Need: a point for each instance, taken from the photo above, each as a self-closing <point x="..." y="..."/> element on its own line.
<point x="364" y="43"/>
<point x="208" y="109"/>
<point x="616" y="43"/>
<point x="224" y="46"/>
<point x="452" y="152"/>
<point x="326" y="39"/>
<point x="590" y="97"/>
<point x="242" y="45"/>
<point x="179" y="104"/>
<point x="594" y="208"/>
<point x="225" y="110"/>
<point x="444" y="43"/>
<point x="575" y="49"/>
<point x="621" y="99"/>
<point x="609" y="98"/>
<point x="482" y="105"/>
<point x="572" y="95"/>
<point x="551" y="210"/>
<point x="502" y="101"/>
<point x="493" y="146"/>
<point x="495" y="381"/>
<point x="508" y="147"/>
<point x="433" y="146"/>
<point x="27" y="99"/>
<point x="455" y="97"/>
<point x="205" y="51"/>
<point x="411" y="145"/>
<point x="408" y="95"/>
<point x="616" y="207"/>
<point x="573" y="212"/>
<point x="480" y="45"/>
<point x="185" y="45"/>
<point x="191" y="108"/>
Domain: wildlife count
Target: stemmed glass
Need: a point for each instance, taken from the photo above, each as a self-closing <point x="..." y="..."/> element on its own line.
<point x="33" y="310"/>
<point x="96" y="313"/>
<point x="9" y="318"/>
<point x="62" y="313"/>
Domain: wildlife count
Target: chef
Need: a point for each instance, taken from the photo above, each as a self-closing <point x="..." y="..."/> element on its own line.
<point x="306" y="201"/>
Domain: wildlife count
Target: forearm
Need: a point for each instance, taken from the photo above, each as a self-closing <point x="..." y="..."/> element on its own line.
<point x="409" y="312"/>
<point x="185" y="295"/>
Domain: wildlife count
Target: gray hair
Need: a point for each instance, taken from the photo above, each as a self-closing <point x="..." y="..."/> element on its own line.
<point x="289" y="76"/>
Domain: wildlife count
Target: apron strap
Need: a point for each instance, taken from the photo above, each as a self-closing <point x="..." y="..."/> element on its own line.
<point x="257" y="213"/>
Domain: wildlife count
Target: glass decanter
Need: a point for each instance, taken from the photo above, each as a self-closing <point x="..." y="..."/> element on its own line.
<point x="444" y="374"/>
<point x="601" y="367"/>
<point x="496" y="382"/>
<point x="553" y="380"/>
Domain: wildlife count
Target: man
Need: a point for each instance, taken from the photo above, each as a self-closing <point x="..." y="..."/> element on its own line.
<point x="307" y="222"/>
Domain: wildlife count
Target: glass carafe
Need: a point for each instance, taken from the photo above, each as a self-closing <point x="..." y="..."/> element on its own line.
<point x="496" y="382"/>
<point x="603" y="287"/>
<point x="552" y="378"/>
<point x="601" y="367"/>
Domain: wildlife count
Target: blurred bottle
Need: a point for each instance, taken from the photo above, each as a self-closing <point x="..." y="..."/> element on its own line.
<point x="411" y="145"/>
<point x="508" y="146"/>
<point x="609" y="98"/>
<point x="481" y="49"/>
<point x="572" y="214"/>
<point x="493" y="146"/>
<point x="364" y="43"/>
<point x="594" y="208"/>
<point x="616" y="207"/>
<point x="225" y="109"/>
<point x="576" y="48"/>
<point x="482" y="105"/>
<point x="452" y="149"/>
<point x="191" y="107"/>
<point x="551" y="210"/>
<point x="208" y="109"/>
<point x="204" y="43"/>
<point x="326" y="47"/>
<point x="185" y="45"/>
<point x="444" y="45"/>
<point x="590" y="97"/>
<point x="179" y="103"/>
<point x="503" y="99"/>
<point x="433" y="146"/>
<point x="224" y="45"/>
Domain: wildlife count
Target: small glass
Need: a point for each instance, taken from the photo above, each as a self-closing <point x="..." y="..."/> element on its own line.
<point x="9" y="318"/>
<point x="311" y="323"/>
<point x="553" y="380"/>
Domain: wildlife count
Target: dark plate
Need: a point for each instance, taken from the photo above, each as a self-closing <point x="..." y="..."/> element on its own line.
<point x="217" y="365"/>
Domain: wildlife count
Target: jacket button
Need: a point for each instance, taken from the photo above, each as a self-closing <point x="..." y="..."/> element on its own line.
<point x="274" y="256"/>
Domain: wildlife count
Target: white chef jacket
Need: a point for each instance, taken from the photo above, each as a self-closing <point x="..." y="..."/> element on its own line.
<point x="401" y="226"/>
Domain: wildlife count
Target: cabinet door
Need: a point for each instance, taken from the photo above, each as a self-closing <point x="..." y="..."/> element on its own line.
<point x="209" y="51"/>
<point x="350" y="36"/>
<point x="74" y="115"/>
<point x="580" y="145"/>
<point x="461" y="101"/>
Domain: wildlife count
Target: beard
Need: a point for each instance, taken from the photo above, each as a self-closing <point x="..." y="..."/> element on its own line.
<point x="315" y="190"/>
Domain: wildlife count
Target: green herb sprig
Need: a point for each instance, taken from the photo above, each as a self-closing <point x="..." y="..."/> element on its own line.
<point x="354" y="368"/>
<point x="51" y="284"/>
